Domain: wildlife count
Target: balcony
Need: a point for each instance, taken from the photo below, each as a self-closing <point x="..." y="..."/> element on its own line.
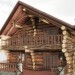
<point x="33" y="42"/>
<point x="8" y="67"/>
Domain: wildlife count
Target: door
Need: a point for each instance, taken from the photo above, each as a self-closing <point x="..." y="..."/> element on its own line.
<point x="51" y="60"/>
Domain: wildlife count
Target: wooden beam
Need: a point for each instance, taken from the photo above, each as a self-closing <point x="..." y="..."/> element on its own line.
<point x="4" y="37"/>
<point x="10" y="29"/>
<point x="24" y="9"/>
<point x="63" y="28"/>
<point x="18" y="26"/>
<point x="64" y="50"/>
<point x="69" y="58"/>
<point x="44" y="20"/>
<point x="65" y="33"/>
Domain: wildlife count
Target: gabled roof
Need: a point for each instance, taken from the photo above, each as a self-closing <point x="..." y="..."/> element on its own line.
<point x="59" y="22"/>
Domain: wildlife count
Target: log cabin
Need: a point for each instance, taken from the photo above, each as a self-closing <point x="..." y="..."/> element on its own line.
<point x="36" y="43"/>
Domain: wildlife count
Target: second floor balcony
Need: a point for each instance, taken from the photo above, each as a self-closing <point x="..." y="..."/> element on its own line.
<point x="48" y="41"/>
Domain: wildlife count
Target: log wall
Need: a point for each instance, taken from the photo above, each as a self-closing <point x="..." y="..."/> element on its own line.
<point x="68" y="49"/>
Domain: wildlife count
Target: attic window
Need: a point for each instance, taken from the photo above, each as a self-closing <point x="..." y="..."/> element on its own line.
<point x="51" y="30"/>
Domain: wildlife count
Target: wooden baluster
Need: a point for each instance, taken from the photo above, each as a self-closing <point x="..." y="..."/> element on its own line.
<point x="45" y="42"/>
<point x="32" y="40"/>
<point x="6" y="42"/>
<point x="35" y="39"/>
<point x="14" y="66"/>
<point x="29" y="40"/>
<point x="19" y="41"/>
<point x="39" y="39"/>
<point x="26" y="40"/>
<point x="16" y="41"/>
<point x="48" y="40"/>
<point x="6" y="67"/>
<point x="11" y="67"/>
<point x="0" y="66"/>
<point x="12" y="42"/>
<point x="9" y="42"/>
<point x="3" y="66"/>
<point x="43" y="39"/>
<point x="60" y="39"/>
<point x="56" y="39"/>
<point x="51" y="40"/>
<point x="38" y="43"/>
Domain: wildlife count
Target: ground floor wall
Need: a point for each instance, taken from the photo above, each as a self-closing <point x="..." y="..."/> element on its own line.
<point x="49" y="72"/>
<point x="32" y="72"/>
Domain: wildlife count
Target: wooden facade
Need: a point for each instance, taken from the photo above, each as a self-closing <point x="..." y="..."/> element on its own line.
<point x="37" y="43"/>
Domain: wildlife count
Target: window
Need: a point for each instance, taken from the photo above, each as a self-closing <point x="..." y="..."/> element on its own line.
<point x="52" y="30"/>
<point x="47" y="61"/>
<point x="50" y="60"/>
<point x="54" y="60"/>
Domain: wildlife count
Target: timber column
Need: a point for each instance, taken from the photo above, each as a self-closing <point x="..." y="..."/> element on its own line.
<point x="67" y="49"/>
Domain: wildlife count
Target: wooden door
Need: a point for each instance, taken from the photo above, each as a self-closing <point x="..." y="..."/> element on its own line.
<point x="51" y="60"/>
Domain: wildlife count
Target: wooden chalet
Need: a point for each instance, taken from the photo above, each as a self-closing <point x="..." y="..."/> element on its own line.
<point x="37" y="43"/>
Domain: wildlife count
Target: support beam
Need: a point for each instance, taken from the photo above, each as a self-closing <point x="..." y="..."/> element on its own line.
<point x="45" y="21"/>
<point x="4" y="37"/>
<point x="18" y="26"/>
<point x="10" y="29"/>
<point x="24" y="9"/>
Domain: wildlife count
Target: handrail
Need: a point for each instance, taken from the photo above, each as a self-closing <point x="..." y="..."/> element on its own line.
<point x="8" y="67"/>
<point x="34" y="40"/>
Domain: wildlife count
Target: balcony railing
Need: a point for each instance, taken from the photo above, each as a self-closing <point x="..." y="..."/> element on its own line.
<point x="8" y="67"/>
<point x="34" y="40"/>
